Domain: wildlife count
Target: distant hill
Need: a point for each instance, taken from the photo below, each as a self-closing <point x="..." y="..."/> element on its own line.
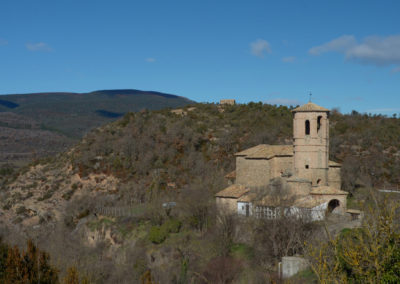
<point x="66" y="117"/>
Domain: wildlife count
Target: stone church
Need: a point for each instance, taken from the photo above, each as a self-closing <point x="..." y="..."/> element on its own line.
<point x="271" y="180"/>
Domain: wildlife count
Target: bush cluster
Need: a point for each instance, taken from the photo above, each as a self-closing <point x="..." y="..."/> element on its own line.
<point x="158" y="234"/>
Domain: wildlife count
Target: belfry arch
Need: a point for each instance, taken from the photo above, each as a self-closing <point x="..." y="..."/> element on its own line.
<point x="307" y="127"/>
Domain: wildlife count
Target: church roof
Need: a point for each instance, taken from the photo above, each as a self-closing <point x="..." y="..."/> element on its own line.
<point x="231" y="175"/>
<point x="233" y="191"/>
<point x="310" y="107"/>
<point x="264" y="151"/>
<point x="249" y="197"/>
<point x="307" y="202"/>
<point x="334" y="164"/>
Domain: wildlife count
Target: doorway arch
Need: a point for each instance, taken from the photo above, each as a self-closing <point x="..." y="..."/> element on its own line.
<point x="333" y="205"/>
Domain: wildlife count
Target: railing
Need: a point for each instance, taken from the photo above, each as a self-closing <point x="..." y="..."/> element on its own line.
<point x="118" y="211"/>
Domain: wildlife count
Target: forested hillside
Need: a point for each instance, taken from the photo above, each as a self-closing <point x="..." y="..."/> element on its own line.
<point x="103" y="199"/>
<point x="43" y="124"/>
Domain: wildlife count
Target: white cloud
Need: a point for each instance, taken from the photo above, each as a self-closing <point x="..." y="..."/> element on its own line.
<point x="374" y="50"/>
<point x="3" y="41"/>
<point x="283" y="101"/>
<point x="40" y="46"/>
<point x="289" y="59"/>
<point x="260" y="47"/>
<point x="340" y="44"/>
<point x="150" y="59"/>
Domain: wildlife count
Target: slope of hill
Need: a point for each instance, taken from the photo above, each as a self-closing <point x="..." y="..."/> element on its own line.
<point x="59" y="119"/>
<point x="160" y="150"/>
<point x="106" y="193"/>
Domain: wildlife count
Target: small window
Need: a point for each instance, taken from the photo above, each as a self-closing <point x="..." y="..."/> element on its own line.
<point x="307" y="166"/>
<point x="319" y="123"/>
<point x="307" y="127"/>
<point x="318" y="181"/>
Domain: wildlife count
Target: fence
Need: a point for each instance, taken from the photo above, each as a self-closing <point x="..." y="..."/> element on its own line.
<point x="118" y="211"/>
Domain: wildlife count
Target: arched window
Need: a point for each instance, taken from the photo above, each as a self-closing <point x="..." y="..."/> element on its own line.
<point x="318" y="181"/>
<point x="319" y="123"/>
<point x="307" y="127"/>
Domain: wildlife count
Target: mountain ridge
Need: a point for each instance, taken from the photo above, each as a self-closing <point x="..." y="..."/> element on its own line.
<point x="69" y="116"/>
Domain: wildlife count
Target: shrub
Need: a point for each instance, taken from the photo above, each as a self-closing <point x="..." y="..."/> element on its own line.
<point x="69" y="193"/>
<point x="83" y="214"/>
<point x="28" y="195"/>
<point x="21" y="210"/>
<point x="17" y="220"/>
<point x="7" y="206"/>
<point x="172" y="226"/>
<point x="47" y="195"/>
<point x="158" y="234"/>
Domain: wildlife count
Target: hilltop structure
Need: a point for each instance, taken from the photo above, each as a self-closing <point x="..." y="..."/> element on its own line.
<point x="227" y="102"/>
<point x="271" y="180"/>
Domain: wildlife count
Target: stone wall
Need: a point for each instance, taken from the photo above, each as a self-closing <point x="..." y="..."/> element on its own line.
<point x="299" y="188"/>
<point x="280" y="165"/>
<point x="228" y="205"/>
<point x="252" y="172"/>
<point x="334" y="177"/>
<point x="292" y="265"/>
<point x="227" y="102"/>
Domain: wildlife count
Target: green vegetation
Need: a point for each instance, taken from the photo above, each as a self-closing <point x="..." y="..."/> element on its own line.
<point x="158" y="234"/>
<point x="369" y="254"/>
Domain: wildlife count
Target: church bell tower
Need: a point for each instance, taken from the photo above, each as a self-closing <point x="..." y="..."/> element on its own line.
<point x="311" y="143"/>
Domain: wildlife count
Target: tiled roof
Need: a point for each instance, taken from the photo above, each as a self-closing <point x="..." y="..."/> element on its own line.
<point x="248" y="197"/>
<point x="233" y="191"/>
<point x="310" y="107"/>
<point x="260" y="198"/>
<point x="264" y="151"/>
<point x="334" y="164"/>
<point x="321" y="190"/>
<point x="307" y="202"/>
<point x="275" y="201"/>
<point x="231" y="175"/>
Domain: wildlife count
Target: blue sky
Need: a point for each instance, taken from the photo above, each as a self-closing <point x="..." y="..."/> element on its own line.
<point x="347" y="53"/>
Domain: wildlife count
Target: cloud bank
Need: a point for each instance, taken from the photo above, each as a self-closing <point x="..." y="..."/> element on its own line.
<point x="40" y="46"/>
<point x="260" y="47"/>
<point x="374" y="50"/>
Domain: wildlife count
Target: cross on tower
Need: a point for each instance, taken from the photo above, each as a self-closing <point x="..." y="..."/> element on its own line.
<point x="310" y="98"/>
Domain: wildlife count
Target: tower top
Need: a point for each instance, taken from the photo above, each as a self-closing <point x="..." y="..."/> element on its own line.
<point x="310" y="107"/>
